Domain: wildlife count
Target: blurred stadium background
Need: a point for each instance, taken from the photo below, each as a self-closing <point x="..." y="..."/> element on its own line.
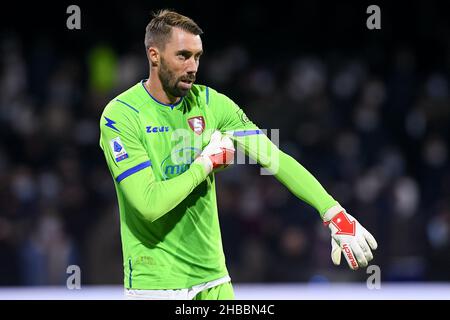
<point x="367" y="112"/>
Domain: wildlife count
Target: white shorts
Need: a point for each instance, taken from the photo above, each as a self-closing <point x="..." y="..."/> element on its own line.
<point x="175" y="294"/>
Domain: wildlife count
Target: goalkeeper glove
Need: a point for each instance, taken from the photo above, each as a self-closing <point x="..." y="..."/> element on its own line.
<point x="219" y="153"/>
<point x="350" y="237"/>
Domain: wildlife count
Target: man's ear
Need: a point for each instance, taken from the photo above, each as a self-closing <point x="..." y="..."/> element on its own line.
<point x="153" y="56"/>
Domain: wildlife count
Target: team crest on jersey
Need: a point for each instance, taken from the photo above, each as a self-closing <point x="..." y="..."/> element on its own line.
<point x="197" y="124"/>
<point x="118" y="149"/>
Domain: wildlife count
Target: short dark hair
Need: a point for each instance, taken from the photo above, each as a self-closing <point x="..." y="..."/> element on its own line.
<point x="159" y="28"/>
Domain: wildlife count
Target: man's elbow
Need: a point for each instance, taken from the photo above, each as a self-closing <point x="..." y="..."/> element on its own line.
<point x="146" y="205"/>
<point x="151" y="214"/>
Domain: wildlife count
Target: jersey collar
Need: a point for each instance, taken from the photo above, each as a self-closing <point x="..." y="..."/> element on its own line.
<point x="159" y="102"/>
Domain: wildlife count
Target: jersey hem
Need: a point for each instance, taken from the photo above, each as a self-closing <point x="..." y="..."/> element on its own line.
<point x="174" y="285"/>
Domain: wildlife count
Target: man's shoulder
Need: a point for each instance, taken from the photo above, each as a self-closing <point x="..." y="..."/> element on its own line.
<point x="198" y="90"/>
<point x="127" y="102"/>
<point x="202" y="88"/>
<point x="204" y="92"/>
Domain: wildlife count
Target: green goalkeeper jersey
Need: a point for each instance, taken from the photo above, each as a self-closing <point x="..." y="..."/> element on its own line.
<point x="168" y="213"/>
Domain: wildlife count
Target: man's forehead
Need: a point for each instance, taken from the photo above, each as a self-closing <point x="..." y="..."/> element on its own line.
<point x="184" y="40"/>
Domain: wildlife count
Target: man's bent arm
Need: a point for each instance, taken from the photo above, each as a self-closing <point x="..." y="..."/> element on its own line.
<point x="153" y="199"/>
<point x="131" y="168"/>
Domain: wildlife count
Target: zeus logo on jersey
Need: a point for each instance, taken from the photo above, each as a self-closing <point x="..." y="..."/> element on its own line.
<point x="151" y="129"/>
<point x="118" y="149"/>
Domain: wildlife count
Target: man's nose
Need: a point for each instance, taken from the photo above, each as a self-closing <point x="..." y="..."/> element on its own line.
<point x="192" y="66"/>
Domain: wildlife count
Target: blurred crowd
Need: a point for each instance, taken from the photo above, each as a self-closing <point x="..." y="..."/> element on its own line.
<point x="377" y="141"/>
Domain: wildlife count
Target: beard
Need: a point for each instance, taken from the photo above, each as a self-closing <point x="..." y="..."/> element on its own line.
<point x="170" y="83"/>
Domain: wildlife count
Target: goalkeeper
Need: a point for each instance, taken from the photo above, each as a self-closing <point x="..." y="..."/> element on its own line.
<point x="163" y="139"/>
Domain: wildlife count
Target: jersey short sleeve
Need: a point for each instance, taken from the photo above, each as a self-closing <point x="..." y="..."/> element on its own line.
<point x="120" y="140"/>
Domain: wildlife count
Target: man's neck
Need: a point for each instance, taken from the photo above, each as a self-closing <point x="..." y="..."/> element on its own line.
<point x="156" y="90"/>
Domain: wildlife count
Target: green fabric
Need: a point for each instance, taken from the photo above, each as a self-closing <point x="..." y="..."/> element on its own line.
<point x="303" y="184"/>
<point x="223" y="291"/>
<point x="168" y="213"/>
<point x="287" y="170"/>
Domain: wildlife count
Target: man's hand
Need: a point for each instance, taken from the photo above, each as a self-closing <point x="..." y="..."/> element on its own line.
<point x="350" y="237"/>
<point x="219" y="153"/>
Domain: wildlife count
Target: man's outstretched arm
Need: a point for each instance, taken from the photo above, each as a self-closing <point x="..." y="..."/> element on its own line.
<point x="347" y="234"/>
<point x="285" y="168"/>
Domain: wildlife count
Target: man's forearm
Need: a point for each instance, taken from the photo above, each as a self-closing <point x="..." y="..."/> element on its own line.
<point x="155" y="199"/>
<point x="303" y="184"/>
<point x="287" y="170"/>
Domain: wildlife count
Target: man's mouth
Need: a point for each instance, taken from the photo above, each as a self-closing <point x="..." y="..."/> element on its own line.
<point x="186" y="84"/>
<point x="188" y="81"/>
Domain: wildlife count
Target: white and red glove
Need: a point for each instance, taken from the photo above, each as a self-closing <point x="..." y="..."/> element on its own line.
<point x="348" y="236"/>
<point x="218" y="154"/>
